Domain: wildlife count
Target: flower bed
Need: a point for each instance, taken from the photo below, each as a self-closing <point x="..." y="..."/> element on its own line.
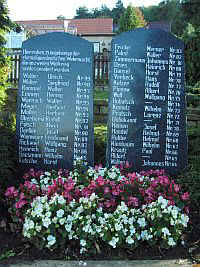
<point x="99" y="207"/>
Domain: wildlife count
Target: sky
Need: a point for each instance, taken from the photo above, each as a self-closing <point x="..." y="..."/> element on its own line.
<point x="50" y="9"/>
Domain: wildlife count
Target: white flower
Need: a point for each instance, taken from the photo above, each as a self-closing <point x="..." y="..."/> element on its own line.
<point x="46" y="180"/>
<point x="62" y="221"/>
<point x="174" y="213"/>
<point x="172" y="222"/>
<point x="132" y="230"/>
<point x="43" y="199"/>
<point x="46" y="222"/>
<point x="48" y="214"/>
<point x="171" y="242"/>
<point x="61" y="200"/>
<point x="55" y="220"/>
<point x="47" y="173"/>
<point x="112" y="175"/>
<point x="68" y="227"/>
<point x="31" y="224"/>
<point x="83" y="250"/>
<point x="93" y="197"/>
<point x="141" y="222"/>
<point x="113" y="241"/>
<point x="122" y="207"/>
<point x="38" y="228"/>
<point x="165" y="231"/>
<point x="51" y="240"/>
<point x="118" y="226"/>
<point x="163" y="202"/>
<point x="130" y="240"/>
<point x="60" y="213"/>
<point x="102" y="171"/>
<point x="184" y="220"/>
<point x="34" y="181"/>
<point x="145" y="235"/>
<point x="82" y="242"/>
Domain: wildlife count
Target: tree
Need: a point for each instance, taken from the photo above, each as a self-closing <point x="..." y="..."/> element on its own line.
<point x="150" y="13"/>
<point x="117" y="11"/>
<point x="169" y="11"/>
<point x="61" y="17"/>
<point x="191" y="10"/>
<point x="132" y="18"/>
<point x="82" y="13"/>
<point x="6" y="25"/>
<point x="105" y="12"/>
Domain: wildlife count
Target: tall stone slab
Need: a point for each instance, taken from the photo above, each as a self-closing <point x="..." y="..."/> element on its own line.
<point x="55" y="102"/>
<point x="147" y="123"/>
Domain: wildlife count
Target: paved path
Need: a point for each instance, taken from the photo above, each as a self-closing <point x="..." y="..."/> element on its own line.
<point x="141" y="263"/>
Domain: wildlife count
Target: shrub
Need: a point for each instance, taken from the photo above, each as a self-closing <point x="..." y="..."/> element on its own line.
<point x="100" y="137"/>
<point x="8" y="158"/>
<point x="99" y="207"/>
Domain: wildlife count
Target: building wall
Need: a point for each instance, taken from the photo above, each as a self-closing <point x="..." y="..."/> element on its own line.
<point x="103" y="41"/>
<point x="14" y="40"/>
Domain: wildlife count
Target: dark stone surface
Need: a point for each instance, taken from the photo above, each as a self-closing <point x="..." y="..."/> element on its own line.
<point x="147" y="124"/>
<point x="55" y="102"/>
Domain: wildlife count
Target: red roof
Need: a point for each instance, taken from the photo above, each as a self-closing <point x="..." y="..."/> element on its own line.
<point x="83" y="26"/>
<point x="93" y="26"/>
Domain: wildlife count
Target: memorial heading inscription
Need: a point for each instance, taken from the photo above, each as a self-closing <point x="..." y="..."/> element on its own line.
<point x="55" y="103"/>
<point x="147" y="124"/>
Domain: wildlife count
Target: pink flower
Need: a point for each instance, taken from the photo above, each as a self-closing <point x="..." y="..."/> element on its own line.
<point x="21" y="196"/>
<point x="11" y="192"/>
<point x="115" y="190"/>
<point x="171" y="203"/>
<point x="86" y="192"/>
<point x="185" y="196"/>
<point x="176" y="188"/>
<point x="164" y="180"/>
<point x="20" y="204"/>
<point x="69" y="185"/>
<point x="60" y="181"/>
<point x="28" y="184"/>
<point x="100" y="180"/>
<point x="106" y="190"/>
<point x="154" y="183"/>
<point x="187" y="209"/>
<point x="68" y="195"/>
<point x="133" y="201"/>
<point x="109" y="203"/>
<point x="32" y="172"/>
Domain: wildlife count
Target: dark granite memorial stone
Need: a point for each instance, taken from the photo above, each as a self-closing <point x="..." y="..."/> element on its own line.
<point x="147" y="124"/>
<point x="55" y="102"/>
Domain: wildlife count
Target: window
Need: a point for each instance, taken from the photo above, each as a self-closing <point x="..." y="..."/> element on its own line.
<point x="96" y="47"/>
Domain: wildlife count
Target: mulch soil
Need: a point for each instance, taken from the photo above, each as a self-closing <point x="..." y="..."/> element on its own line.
<point x="12" y="243"/>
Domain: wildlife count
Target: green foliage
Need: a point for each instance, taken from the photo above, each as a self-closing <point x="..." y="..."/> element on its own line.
<point x="169" y="11"/>
<point x="7" y="254"/>
<point x="4" y="70"/>
<point x="100" y="94"/>
<point x="82" y="13"/>
<point x="192" y="55"/>
<point x="191" y="10"/>
<point x="117" y="11"/>
<point x="100" y="137"/>
<point x="193" y="100"/>
<point x="190" y="180"/>
<point x="103" y="12"/>
<point x="131" y="18"/>
<point x="8" y="157"/>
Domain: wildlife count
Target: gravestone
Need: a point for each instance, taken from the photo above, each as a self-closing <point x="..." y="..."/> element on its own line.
<point x="55" y="102"/>
<point x="147" y="125"/>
